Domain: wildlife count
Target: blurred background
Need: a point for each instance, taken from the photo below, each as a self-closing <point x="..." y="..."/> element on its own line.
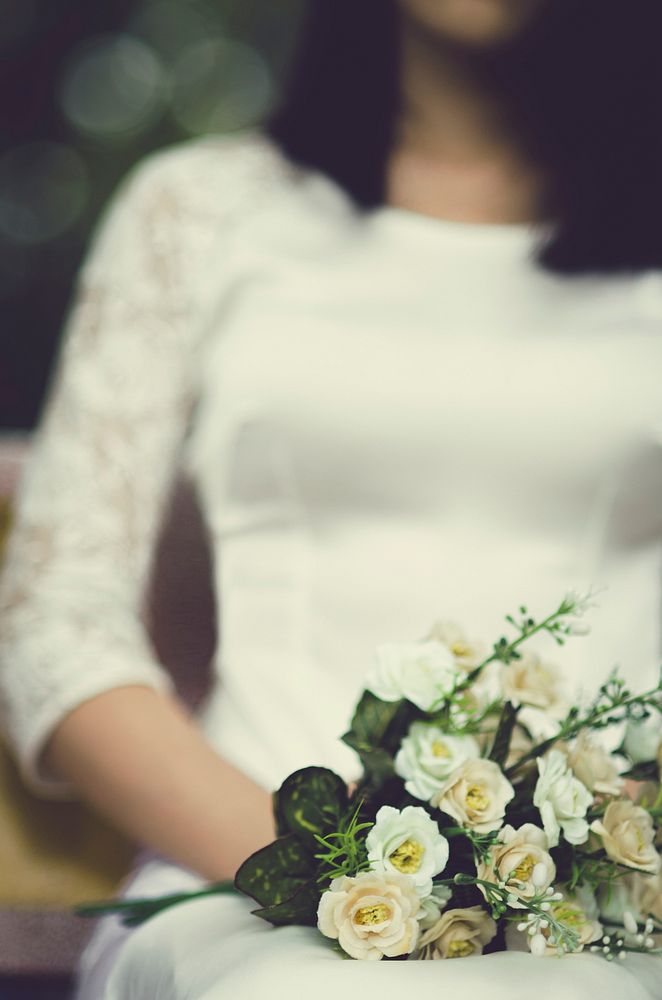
<point x="87" y="87"/>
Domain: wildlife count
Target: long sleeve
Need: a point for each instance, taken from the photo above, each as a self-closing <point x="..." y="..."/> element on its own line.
<point x="102" y="459"/>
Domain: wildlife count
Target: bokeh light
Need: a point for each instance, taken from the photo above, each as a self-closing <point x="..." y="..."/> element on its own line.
<point x="218" y="85"/>
<point x="170" y="26"/>
<point x="114" y="86"/>
<point x="43" y="190"/>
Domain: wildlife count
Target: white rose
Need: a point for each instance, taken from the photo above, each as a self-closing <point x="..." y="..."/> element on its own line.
<point x="466" y="652"/>
<point x="476" y="795"/>
<point x="642" y="738"/>
<point x="534" y="682"/>
<point x="422" y="672"/>
<point x="562" y="800"/>
<point x="458" y="933"/>
<point x="595" y="768"/>
<point x="628" y="835"/>
<point x="427" y="756"/>
<point x="371" y="914"/>
<point x="408" y="841"/>
<point x="521" y="859"/>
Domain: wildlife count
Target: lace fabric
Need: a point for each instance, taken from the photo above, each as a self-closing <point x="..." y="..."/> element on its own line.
<point x="102" y="460"/>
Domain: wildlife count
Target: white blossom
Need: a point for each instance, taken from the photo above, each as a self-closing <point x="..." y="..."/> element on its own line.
<point x="407" y="841"/>
<point x="562" y="800"/>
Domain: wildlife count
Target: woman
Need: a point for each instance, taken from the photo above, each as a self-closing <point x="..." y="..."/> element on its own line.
<point x="406" y="340"/>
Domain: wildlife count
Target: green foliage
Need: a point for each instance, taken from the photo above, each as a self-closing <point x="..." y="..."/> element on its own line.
<point x="344" y="851"/>
<point x="276" y="872"/>
<point x="310" y="802"/>
<point x="377" y="730"/>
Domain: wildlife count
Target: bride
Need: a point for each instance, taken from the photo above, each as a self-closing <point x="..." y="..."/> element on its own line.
<point x="406" y="338"/>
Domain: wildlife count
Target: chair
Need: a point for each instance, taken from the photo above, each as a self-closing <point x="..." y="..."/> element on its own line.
<point x="54" y="855"/>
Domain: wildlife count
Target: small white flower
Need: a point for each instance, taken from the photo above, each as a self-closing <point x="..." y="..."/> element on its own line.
<point x="562" y="800"/>
<point x="642" y="738"/>
<point x="422" y="672"/>
<point x="433" y="905"/>
<point x="408" y="841"/>
<point x="576" y="912"/>
<point x="427" y="756"/>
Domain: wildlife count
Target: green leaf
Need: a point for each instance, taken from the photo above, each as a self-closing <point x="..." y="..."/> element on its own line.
<point x="371" y="722"/>
<point x="309" y="802"/>
<point x="378" y="728"/>
<point x="276" y="872"/>
<point x="504" y="733"/>
<point x="300" y="909"/>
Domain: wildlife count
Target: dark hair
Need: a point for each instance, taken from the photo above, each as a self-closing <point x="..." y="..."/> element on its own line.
<point x="583" y="85"/>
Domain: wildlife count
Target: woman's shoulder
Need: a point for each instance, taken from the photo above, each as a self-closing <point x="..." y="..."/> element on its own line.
<point x="216" y="172"/>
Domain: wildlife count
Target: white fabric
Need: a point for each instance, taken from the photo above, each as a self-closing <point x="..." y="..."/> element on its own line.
<point x="389" y="419"/>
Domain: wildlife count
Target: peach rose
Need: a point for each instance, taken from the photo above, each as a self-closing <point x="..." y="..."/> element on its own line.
<point x="521" y="859"/>
<point x="476" y="795"/>
<point x="458" y="934"/>
<point x="628" y="835"/>
<point x="371" y="914"/>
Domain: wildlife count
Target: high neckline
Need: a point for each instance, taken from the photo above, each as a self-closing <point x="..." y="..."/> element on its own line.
<point x="403" y="221"/>
<point x="492" y="233"/>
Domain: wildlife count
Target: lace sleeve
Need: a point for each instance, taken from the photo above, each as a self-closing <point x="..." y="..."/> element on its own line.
<point x="101" y="461"/>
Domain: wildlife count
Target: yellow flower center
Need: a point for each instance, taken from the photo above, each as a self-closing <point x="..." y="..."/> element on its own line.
<point x="524" y="869"/>
<point x="569" y="915"/>
<point x="476" y="798"/>
<point x="459" y="648"/>
<point x="460" y="949"/>
<point x="408" y="856"/>
<point x="439" y="749"/>
<point x="376" y="914"/>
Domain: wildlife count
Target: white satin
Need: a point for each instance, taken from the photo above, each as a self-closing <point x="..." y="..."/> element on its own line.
<point x="215" y="949"/>
<point x="390" y="419"/>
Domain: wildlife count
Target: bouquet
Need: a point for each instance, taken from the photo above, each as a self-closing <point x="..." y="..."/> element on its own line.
<point x="490" y="814"/>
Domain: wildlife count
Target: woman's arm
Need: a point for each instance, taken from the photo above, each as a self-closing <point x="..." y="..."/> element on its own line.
<point x="84" y="702"/>
<point x="138" y="757"/>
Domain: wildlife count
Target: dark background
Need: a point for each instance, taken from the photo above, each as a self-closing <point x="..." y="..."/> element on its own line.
<point x="86" y="88"/>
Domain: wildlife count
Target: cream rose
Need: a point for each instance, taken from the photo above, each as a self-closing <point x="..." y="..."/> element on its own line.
<point x="407" y="841"/>
<point x="458" y="934"/>
<point x="476" y="795"/>
<point x="521" y="859"/>
<point x="428" y="755"/>
<point x="534" y="682"/>
<point x="466" y="652"/>
<point x="579" y="913"/>
<point x="422" y="672"/>
<point x="645" y="896"/>
<point x="628" y="834"/>
<point x="562" y="800"/>
<point x="595" y="768"/>
<point x="371" y="914"/>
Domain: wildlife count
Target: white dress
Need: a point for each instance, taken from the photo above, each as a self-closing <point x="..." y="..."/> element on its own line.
<point x="389" y="420"/>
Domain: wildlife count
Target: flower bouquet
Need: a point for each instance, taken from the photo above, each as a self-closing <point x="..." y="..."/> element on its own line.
<point x="490" y="814"/>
